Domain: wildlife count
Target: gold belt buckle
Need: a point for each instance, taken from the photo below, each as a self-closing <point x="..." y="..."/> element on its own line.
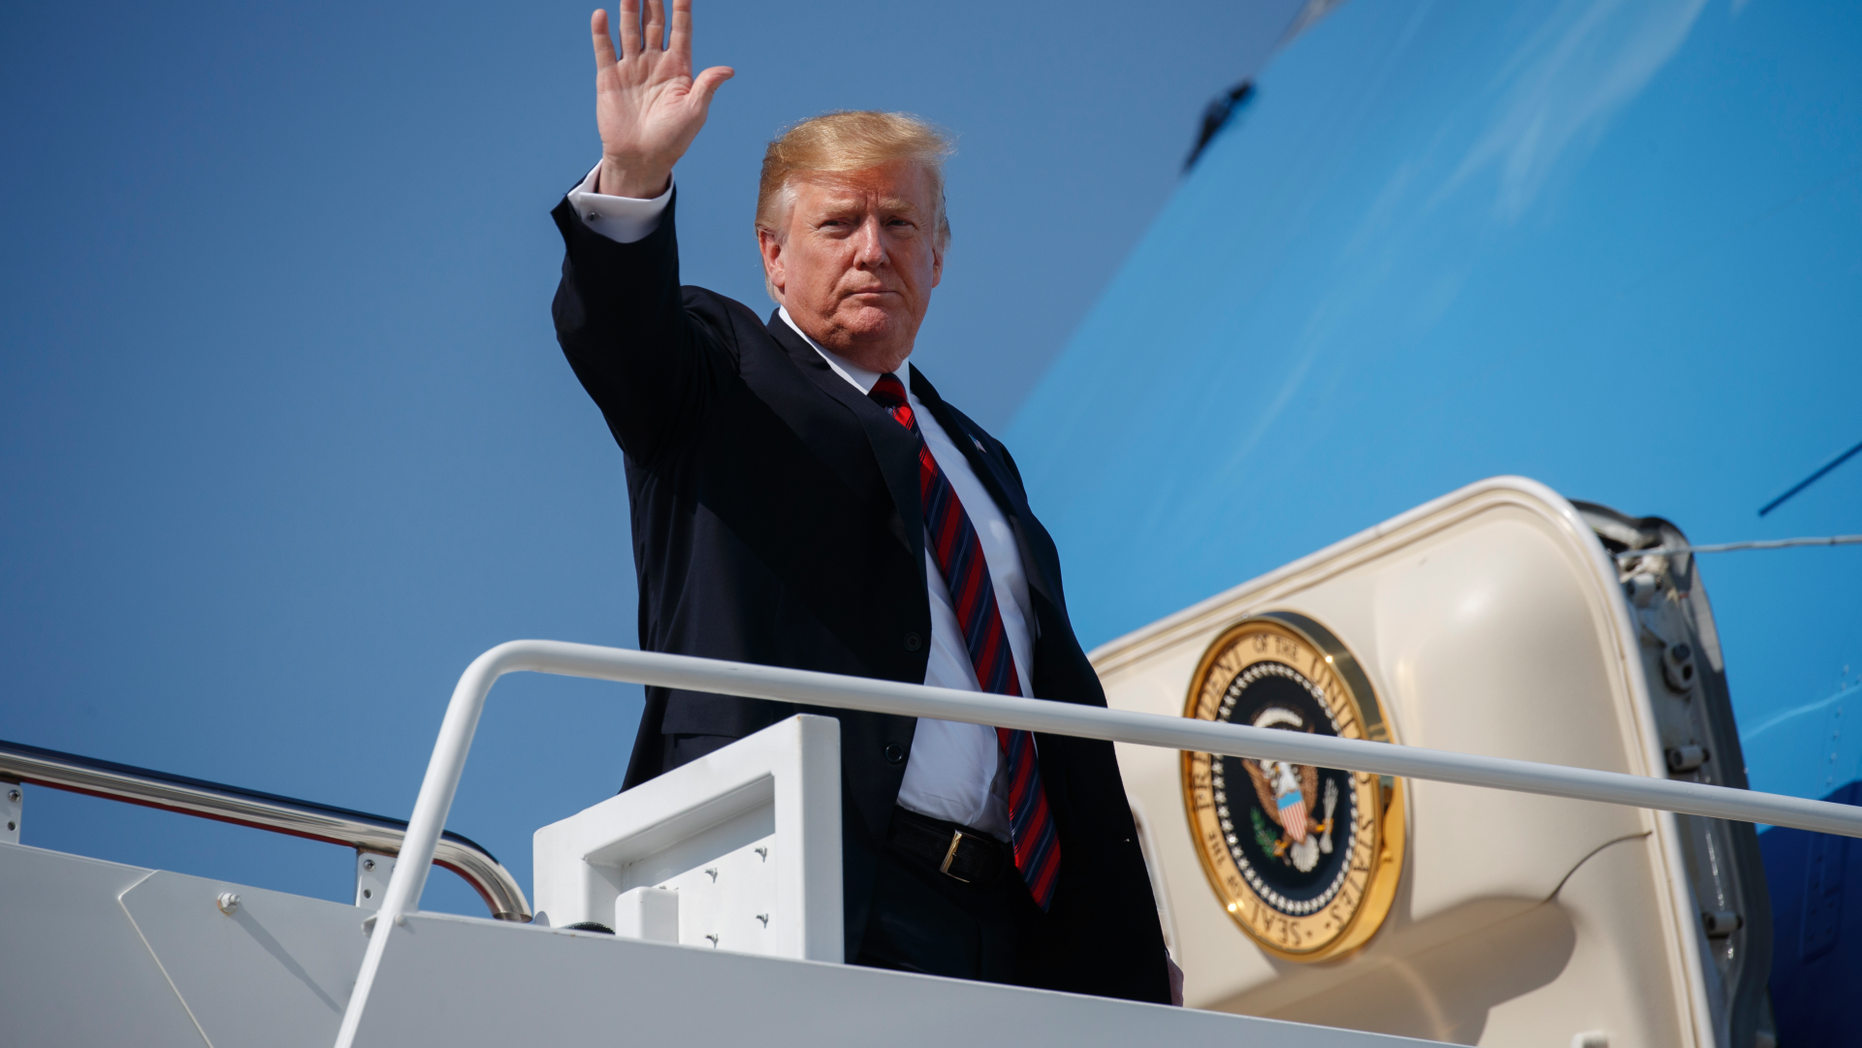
<point x="956" y="838"/>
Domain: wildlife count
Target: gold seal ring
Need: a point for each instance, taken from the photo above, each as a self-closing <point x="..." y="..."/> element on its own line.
<point x="1306" y="860"/>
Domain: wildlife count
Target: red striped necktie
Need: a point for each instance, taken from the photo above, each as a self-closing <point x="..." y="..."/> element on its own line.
<point x="959" y="556"/>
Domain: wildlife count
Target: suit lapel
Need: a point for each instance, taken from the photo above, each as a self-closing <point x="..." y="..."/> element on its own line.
<point x="994" y="475"/>
<point x="892" y="443"/>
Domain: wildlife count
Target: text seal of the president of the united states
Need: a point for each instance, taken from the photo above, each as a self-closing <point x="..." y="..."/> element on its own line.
<point x="1305" y="859"/>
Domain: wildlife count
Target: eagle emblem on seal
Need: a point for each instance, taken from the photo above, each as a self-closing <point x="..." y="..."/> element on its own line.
<point x="1289" y="794"/>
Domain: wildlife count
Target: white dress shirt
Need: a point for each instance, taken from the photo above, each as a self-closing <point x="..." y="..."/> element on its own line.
<point x="956" y="771"/>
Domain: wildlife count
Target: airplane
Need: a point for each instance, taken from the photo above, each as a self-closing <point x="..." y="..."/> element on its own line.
<point x="1550" y="285"/>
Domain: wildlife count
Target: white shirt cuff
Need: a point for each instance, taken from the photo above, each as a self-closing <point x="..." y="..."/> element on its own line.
<point x="620" y="219"/>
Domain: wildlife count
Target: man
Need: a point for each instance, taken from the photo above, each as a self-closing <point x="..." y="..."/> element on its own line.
<point x="802" y="497"/>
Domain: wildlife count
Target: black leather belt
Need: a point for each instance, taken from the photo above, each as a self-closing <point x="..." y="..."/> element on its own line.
<point x="952" y="849"/>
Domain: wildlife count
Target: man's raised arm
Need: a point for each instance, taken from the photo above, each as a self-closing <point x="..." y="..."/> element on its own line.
<point x="618" y="311"/>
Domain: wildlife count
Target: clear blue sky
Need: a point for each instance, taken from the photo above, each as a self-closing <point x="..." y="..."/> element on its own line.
<point x="285" y="437"/>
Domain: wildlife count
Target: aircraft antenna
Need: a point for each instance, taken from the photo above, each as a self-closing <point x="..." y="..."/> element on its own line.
<point x="1808" y="481"/>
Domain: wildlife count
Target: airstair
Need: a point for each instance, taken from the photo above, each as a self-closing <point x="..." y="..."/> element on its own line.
<point x="703" y="907"/>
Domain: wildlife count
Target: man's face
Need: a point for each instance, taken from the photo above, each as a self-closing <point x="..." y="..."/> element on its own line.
<point x="858" y="260"/>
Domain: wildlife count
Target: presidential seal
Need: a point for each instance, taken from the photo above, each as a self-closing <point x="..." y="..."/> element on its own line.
<point x="1305" y="859"/>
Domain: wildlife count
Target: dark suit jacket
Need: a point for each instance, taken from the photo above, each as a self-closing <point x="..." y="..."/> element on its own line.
<point x="776" y="520"/>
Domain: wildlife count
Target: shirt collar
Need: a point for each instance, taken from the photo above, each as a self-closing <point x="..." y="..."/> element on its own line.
<point x="861" y="378"/>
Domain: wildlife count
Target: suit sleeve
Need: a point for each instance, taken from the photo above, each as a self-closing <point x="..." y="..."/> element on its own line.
<point x="652" y="367"/>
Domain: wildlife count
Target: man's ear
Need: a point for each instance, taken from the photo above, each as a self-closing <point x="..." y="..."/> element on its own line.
<point x="775" y="269"/>
<point x="937" y="264"/>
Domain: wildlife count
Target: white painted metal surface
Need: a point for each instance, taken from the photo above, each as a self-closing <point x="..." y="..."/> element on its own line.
<point x="629" y="992"/>
<point x="648" y="914"/>
<point x="110" y="956"/>
<point x="64" y="929"/>
<point x="12" y="811"/>
<point x="104" y="955"/>
<point x="739" y="850"/>
<point x="372" y="872"/>
<point x="268" y="974"/>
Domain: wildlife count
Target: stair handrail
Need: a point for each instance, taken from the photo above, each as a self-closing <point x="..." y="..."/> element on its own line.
<point x="262" y="811"/>
<point x="809" y="688"/>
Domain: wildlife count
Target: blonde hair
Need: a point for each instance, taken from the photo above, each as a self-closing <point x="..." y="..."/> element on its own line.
<point x="851" y="140"/>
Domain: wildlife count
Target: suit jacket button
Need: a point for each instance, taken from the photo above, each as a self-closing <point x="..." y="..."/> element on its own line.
<point x="895" y="753"/>
<point x="913" y="642"/>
